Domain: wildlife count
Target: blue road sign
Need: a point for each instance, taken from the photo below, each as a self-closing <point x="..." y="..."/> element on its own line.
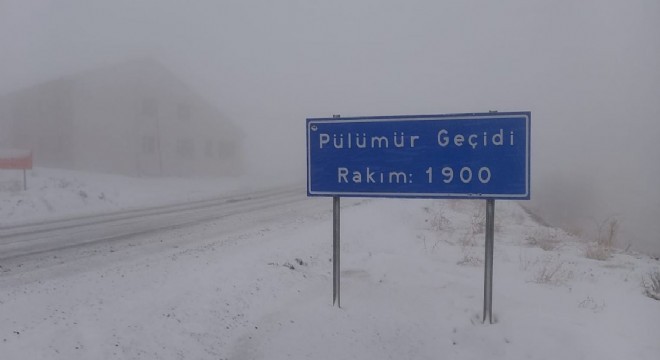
<point x="483" y="155"/>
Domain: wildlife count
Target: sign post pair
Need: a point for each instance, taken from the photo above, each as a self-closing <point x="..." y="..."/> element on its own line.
<point x="454" y="156"/>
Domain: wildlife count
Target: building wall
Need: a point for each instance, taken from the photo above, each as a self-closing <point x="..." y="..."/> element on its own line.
<point x="103" y="132"/>
<point x="189" y="132"/>
<point x="40" y="119"/>
<point x="134" y="118"/>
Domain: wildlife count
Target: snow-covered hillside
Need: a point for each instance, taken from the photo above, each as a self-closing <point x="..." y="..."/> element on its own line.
<point x="259" y="285"/>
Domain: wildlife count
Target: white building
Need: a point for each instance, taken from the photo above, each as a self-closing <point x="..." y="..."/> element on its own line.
<point x="134" y="118"/>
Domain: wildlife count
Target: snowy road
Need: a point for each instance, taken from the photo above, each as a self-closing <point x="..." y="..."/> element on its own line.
<point x="47" y="239"/>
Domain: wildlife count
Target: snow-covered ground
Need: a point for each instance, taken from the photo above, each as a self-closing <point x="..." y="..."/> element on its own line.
<point x="259" y="285"/>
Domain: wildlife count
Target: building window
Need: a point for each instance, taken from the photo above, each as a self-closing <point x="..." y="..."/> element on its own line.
<point x="184" y="112"/>
<point x="149" y="107"/>
<point x="148" y="144"/>
<point x="186" y="148"/>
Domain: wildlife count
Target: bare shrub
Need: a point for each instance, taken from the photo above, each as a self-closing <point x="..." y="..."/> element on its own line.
<point x="478" y="219"/>
<point x="439" y="221"/>
<point x="469" y="250"/>
<point x="470" y="259"/>
<point x="547" y="239"/>
<point x="597" y="252"/>
<point x="607" y="232"/>
<point x="651" y="285"/>
<point x="467" y="240"/>
<point x="601" y="248"/>
<point x="546" y="269"/>
<point x="591" y="304"/>
<point x="552" y="271"/>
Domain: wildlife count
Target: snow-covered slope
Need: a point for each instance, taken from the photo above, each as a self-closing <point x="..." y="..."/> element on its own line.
<point x="55" y="193"/>
<point x="259" y="286"/>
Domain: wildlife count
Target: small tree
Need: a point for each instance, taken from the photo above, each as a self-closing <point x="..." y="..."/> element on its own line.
<point x="651" y="285"/>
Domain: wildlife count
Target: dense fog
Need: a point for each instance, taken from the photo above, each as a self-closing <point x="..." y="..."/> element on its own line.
<point x="587" y="70"/>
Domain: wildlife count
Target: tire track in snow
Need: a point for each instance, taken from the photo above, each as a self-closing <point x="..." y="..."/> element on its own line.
<point x="49" y="236"/>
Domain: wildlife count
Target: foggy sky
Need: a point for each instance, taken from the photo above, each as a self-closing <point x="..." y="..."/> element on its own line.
<point x="588" y="71"/>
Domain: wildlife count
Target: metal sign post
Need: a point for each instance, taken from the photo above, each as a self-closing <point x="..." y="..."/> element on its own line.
<point x="451" y="156"/>
<point x="335" y="251"/>
<point x="488" y="266"/>
<point x="336" y="269"/>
